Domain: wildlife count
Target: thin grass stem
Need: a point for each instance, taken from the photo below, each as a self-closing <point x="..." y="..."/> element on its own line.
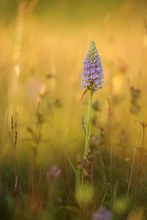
<point x="131" y="173"/>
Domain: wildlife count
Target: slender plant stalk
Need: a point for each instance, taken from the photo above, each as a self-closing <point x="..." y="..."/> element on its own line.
<point x="111" y="149"/>
<point x="106" y="191"/>
<point x="88" y="122"/>
<point x="87" y="138"/>
<point x="141" y="151"/>
<point x="131" y="173"/>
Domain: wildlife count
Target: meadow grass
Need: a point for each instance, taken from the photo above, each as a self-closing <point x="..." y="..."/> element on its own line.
<point x="42" y="113"/>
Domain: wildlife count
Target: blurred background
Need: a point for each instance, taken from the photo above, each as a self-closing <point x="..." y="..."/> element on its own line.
<point x="42" y="47"/>
<point x="43" y="44"/>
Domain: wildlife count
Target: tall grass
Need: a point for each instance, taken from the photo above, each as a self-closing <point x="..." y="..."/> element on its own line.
<point x="41" y="125"/>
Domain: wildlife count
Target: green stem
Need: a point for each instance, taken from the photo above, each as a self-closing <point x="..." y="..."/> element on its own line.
<point x="87" y="138"/>
<point x="131" y="174"/>
<point x="88" y="122"/>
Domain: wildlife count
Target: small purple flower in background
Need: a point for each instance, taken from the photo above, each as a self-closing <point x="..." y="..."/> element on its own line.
<point x="102" y="214"/>
<point x="54" y="172"/>
<point x="92" y="76"/>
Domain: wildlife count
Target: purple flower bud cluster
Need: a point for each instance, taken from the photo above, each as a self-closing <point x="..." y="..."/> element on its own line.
<point x="92" y="76"/>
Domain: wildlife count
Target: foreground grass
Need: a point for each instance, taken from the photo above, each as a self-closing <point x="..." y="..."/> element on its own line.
<point x="41" y="122"/>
